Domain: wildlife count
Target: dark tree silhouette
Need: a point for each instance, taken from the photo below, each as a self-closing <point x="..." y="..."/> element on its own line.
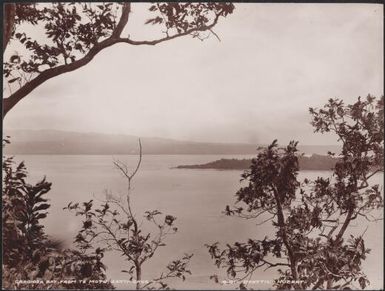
<point x="76" y="32"/>
<point x="28" y="253"/>
<point x="312" y="247"/>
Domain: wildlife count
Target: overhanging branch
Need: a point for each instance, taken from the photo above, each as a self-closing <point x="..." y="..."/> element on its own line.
<point x="13" y="99"/>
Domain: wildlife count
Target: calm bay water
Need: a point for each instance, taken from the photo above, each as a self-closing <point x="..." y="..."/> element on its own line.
<point x="195" y="197"/>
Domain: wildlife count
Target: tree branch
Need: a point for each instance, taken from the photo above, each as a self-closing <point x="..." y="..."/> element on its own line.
<point x="281" y="224"/>
<point x="345" y="225"/>
<point x="271" y="265"/>
<point x="122" y="21"/>
<point x="13" y="99"/>
<point x="166" y="38"/>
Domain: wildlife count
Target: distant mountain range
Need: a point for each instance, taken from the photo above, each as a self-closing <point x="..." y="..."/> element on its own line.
<point x="76" y="143"/>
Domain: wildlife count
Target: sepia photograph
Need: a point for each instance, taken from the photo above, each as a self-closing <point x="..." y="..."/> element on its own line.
<point x="192" y="146"/>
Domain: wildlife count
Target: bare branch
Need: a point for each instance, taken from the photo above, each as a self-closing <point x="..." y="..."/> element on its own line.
<point x="365" y="183"/>
<point x="271" y="265"/>
<point x="123" y="20"/>
<point x="122" y="168"/>
<point x="170" y="37"/>
<point x="266" y="220"/>
<point x="139" y="162"/>
<point x="216" y="35"/>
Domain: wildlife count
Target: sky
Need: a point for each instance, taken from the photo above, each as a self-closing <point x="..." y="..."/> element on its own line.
<point x="272" y="63"/>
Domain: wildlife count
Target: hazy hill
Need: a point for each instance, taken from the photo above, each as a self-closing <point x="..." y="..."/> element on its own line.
<point x="314" y="162"/>
<point x="65" y="142"/>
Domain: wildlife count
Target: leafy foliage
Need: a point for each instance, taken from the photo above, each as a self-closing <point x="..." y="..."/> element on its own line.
<point x="311" y="218"/>
<point x="67" y="36"/>
<point x="113" y="226"/>
<point x="28" y="253"/>
<point x="183" y="17"/>
<point x="69" y="29"/>
<point x="24" y="206"/>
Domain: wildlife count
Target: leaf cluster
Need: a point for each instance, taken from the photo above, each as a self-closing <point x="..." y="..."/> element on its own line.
<point x="183" y="17"/>
<point x="312" y="218"/>
<point x="70" y="30"/>
<point x="28" y="253"/>
<point x="112" y="226"/>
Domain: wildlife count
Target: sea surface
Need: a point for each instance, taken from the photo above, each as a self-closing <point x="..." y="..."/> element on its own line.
<point x="196" y="197"/>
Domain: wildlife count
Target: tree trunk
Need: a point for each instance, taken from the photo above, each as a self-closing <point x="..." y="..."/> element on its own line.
<point x="281" y="224"/>
<point x="9" y="13"/>
<point x="138" y="269"/>
<point x="345" y="225"/>
<point x="7" y="105"/>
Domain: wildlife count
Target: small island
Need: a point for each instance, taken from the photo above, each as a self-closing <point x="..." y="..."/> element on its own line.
<point x="312" y="163"/>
